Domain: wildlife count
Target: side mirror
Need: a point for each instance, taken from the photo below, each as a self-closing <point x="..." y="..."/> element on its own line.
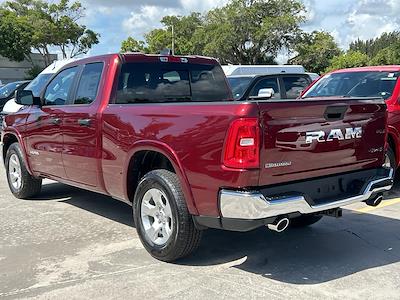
<point x="264" y="94"/>
<point x="25" y="97"/>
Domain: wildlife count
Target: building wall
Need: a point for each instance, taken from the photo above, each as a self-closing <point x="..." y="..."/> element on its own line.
<point x="13" y="71"/>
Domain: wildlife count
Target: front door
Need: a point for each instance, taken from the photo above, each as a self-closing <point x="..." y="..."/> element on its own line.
<point x="44" y="138"/>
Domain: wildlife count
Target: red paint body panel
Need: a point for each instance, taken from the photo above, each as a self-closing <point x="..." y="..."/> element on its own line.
<point x="192" y="136"/>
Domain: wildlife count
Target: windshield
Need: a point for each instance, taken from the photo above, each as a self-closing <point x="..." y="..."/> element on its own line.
<point x="355" y="84"/>
<point x="239" y="85"/>
<point x="8" y="89"/>
<point x="37" y="84"/>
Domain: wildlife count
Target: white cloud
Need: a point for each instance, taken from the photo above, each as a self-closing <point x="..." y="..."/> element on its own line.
<point x="146" y="19"/>
<point x="371" y="18"/>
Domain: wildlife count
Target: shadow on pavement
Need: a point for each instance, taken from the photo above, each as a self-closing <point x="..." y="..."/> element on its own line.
<point x="326" y="251"/>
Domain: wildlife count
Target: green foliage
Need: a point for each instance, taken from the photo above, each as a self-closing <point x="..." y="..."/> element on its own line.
<point x="387" y="56"/>
<point x="250" y="31"/>
<point x="15" y="36"/>
<point x="47" y="25"/>
<point x="242" y="32"/>
<point x="372" y="47"/>
<point x="132" y="45"/>
<point x="350" y="59"/>
<point x="33" y="72"/>
<point x="315" y="51"/>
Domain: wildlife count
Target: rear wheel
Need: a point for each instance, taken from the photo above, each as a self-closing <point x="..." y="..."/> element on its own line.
<point x="22" y="184"/>
<point x="162" y="219"/>
<point x="390" y="159"/>
<point x="304" y="220"/>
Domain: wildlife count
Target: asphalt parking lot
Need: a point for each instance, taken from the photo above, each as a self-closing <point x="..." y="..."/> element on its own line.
<point x="73" y="244"/>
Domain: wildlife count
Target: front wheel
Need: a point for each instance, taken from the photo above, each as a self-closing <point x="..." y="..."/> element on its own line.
<point x="22" y="184"/>
<point x="162" y="219"/>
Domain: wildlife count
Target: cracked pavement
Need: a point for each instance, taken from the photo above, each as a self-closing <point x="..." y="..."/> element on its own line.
<point x="69" y="243"/>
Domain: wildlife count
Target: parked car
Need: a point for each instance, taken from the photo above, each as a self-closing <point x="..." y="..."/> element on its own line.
<point x="236" y="70"/>
<point x="36" y="86"/>
<point x="7" y="91"/>
<point x="376" y="81"/>
<point x="277" y="86"/>
<point x="163" y="134"/>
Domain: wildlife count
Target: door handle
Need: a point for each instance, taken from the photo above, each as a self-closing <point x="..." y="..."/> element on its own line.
<point x="84" y="122"/>
<point x="55" y="121"/>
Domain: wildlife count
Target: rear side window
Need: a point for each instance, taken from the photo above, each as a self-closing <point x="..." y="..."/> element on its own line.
<point x="295" y="85"/>
<point x="171" y="82"/>
<point x="89" y="83"/>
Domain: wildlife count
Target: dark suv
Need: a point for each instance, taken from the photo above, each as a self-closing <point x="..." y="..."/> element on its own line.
<point x="282" y="86"/>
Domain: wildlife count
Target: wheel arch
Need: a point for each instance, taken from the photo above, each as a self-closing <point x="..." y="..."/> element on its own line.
<point x="393" y="141"/>
<point x="142" y="153"/>
<point x="10" y="137"/>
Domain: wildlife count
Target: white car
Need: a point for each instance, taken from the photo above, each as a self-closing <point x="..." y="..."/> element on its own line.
<point x="36" y="85"/>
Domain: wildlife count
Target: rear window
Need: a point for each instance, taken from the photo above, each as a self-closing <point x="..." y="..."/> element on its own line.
<point x="171" y="82"/>
<point x="355" y="84"/>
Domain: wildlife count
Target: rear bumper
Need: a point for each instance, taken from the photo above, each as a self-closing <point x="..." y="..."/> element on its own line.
<point x="253" y="205"/>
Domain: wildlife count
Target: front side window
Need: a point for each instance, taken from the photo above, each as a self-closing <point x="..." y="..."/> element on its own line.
<point x="355" y="84"/>
<point x="89" y="83"/>
<point x="267" y="83"/>
<point x="59" y="89"/>
<point x="239" y="85"/>
<point x="171" y="82"/>
<point x="295" y="85"/>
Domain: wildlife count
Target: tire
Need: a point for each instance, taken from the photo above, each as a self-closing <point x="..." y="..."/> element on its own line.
<point x="304" y="221"/>
<point x="159" y="192"/>
<point x="390" y="160"/>
<point x="22" y="184"/>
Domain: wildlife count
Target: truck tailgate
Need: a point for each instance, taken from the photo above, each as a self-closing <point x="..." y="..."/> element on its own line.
<point x="320" y="137"/>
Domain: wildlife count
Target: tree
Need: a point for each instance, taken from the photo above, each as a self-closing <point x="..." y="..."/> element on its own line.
<point x="372" y="47"/>
<point x="48" y="25"/>
<point x="132" y="45"/>
<point x="184" y="27"/>
<point x="350" y="59"/>
<point x="250" y="31"/>
<point x="33" y="72"/>
<point x="315" y="51"/>
<point x="15" y="36"/>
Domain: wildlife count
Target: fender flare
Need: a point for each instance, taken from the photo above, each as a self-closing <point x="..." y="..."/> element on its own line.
<point x="17" y="135"/>
<point x="167" y="151"/>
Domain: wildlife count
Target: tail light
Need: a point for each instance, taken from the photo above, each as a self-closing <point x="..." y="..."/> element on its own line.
<point x="242" y="145"/>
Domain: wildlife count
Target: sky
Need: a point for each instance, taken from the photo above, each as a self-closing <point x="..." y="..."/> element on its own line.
<point x="346" y="20"/>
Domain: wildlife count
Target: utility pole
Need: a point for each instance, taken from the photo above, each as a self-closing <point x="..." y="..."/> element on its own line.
<point x="173" y="39"/>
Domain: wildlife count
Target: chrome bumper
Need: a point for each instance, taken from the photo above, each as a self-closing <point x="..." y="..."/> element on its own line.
<point x="253" y="205"/>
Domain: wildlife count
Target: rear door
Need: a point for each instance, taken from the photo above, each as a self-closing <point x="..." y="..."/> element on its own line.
<point x="312" y="138"/>
<point x="80" y="128"/>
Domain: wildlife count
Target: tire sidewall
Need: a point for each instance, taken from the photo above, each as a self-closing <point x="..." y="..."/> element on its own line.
<point x="392" y="158"/>
<point x="152" y="180"/>
<point x="15" y="149"/>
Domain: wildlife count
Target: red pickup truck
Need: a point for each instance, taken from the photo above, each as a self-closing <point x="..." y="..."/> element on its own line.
<point x="164" y="134"/>
<point x="374" y="81"/>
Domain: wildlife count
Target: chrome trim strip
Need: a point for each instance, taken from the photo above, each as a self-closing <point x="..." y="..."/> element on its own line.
<point x="253" y="205"/>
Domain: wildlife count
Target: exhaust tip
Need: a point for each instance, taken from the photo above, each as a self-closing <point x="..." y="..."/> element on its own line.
<point x="375" y="201"/>
<point x="280" y="225"/>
